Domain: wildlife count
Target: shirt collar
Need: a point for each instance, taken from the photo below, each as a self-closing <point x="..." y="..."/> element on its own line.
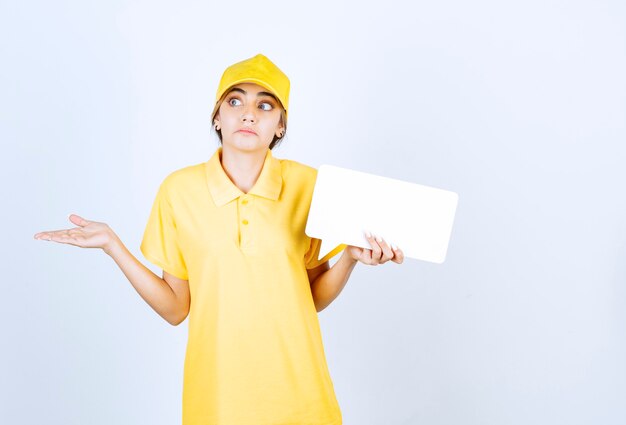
<point x="223" y="190"/>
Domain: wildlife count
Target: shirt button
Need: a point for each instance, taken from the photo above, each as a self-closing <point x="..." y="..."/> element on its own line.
<point x="244" y="221"/>
<point x="245" y="201"/>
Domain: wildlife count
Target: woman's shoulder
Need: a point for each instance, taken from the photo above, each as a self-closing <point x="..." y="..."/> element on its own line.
<point x="183" y="177"/>
<point x="296" y="169"/>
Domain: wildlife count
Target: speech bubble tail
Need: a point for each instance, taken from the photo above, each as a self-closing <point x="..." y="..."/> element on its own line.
<point x="326" y="247"/>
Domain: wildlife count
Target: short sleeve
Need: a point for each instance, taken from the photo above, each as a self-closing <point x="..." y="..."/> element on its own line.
<point x="160" y="242"/>
<point x="310" y="258"/>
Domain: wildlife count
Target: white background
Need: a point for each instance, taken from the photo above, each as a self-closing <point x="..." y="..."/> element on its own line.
<point x="519" y="107"/>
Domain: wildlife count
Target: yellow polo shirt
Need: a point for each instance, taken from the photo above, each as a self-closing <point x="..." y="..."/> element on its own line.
<point x="254" y="354"/>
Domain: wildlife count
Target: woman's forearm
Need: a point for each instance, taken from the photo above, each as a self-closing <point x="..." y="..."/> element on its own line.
<point x="327" y="286"/>
<point x="153" y="289"/>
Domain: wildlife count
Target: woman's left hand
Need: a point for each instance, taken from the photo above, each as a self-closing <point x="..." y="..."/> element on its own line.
<point x="380" y="253"/>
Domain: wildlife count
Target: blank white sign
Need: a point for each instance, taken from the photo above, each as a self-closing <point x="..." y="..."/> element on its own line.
<point x="346" y="203"/>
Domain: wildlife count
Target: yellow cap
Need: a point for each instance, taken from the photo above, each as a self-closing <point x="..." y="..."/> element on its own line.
<point x="257" y="69"/>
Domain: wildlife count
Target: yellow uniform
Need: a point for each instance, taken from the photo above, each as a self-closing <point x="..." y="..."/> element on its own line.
<point x="254" y="354"/>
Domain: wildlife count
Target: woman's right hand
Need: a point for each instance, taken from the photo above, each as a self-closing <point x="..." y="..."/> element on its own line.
<point x="88" y="234"/>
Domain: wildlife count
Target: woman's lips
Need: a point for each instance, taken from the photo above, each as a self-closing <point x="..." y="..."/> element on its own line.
<point x="247" y="132"/>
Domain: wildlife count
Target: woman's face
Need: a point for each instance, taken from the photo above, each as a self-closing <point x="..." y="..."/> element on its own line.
<point x="250" y="107"/>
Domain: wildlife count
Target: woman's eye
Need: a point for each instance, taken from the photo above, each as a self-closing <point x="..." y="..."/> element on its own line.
<point x="266" y="106"/>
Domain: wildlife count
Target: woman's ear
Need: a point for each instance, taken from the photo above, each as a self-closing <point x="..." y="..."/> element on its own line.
<point x="281" y="128"/>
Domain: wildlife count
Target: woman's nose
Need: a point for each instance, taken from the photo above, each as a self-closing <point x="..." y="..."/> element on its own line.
<point x="249" y="113"/>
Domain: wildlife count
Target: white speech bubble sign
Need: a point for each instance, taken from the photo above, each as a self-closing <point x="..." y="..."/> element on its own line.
<point x="418" y="219"/>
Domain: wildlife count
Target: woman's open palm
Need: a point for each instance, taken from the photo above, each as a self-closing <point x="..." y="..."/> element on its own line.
<point x="88" y="234"/>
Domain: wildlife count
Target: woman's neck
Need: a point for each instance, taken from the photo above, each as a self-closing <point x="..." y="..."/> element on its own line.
<point x="242" y="168"/>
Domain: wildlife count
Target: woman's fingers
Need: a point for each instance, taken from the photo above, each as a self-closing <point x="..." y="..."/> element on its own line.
<point x="76" y="237"/>
<point x="382" y="251"/>
<point x="398" y="256"/>
<point x="48" y="234"/>
<point x="65" y="235"/>
<point x="52" y="234"/>
<point x="386" y="249"/>
<point x="376" y="249"/>
<point x="366" y="257"/>
<point x="78" y="220"/>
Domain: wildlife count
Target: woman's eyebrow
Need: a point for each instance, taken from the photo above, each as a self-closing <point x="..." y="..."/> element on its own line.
<point x="259" y="94"/>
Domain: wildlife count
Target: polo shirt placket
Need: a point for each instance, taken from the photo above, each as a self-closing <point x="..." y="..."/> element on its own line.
<point x="245" y="209"/>
<point x="267" y="188"/>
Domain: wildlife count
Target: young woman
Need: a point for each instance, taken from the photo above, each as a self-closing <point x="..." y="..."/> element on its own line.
<point x="229" y="236"/>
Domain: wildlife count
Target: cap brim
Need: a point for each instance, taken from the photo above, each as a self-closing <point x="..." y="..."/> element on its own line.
<point x="245" y="80"/>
